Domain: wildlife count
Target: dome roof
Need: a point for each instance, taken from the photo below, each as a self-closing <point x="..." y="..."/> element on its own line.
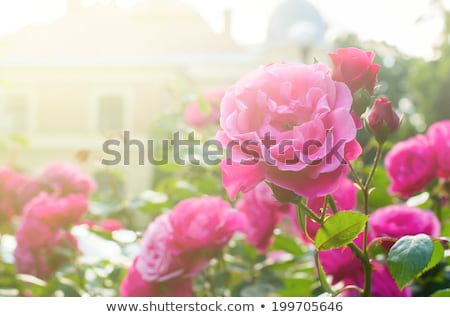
<point x="296" y="21"/>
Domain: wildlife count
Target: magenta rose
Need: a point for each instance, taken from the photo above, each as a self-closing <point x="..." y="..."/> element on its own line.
<point x="156" y="262"/>
<point x="383" y="284"/>
<point x="400" y="220"/>
<point x="355" y="68"/>
<point x="261" y="214"/>
<point x="439" y="136"/>
<point x="201" y="224"/>
<point x="134" y="285"/>
<point x="196" y="118"/>
<point x="410" y="165"/>
<point x="288" y="124"/>
<point x="64" y="178"/>
<point x="57" y="212"/>
<point x="341" y="264"/>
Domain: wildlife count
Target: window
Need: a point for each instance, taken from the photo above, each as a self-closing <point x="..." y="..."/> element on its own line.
<point x="111" y="113"/>
<point x="14" y="113"/>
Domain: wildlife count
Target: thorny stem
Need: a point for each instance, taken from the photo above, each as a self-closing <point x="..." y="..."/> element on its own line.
<point x="310" y="213"/>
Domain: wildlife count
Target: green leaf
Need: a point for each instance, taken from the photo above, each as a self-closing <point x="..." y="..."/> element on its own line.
<point x="436" y="256"/>
<point x="286" y="243"/>
<point x="339" y="230"/>
<point x="408" y="257"/>
<point x="446" y="230"/>
<point x="441" y="293"/>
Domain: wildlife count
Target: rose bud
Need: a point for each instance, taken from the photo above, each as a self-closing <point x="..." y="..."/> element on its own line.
<point x="382" y="119"/>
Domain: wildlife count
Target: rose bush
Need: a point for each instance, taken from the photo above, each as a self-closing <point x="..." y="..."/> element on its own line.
<point x="302" y="204"/>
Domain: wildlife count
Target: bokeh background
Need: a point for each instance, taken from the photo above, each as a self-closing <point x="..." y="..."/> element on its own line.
<point x="75" y="73"/>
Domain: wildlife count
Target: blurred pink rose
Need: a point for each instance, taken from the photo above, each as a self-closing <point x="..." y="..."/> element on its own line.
<point x="33" y="233"/>
<point x="289" y="124"/>
<point x="201" y="224"/>
<point x="32" y="261"/>
<point x="134" y="286"/>
<point x="400" y="220"/>
<point x="111" y="225"/>
<point x="57" y="212"/>
<point x="383" y="285"/>
<point x="196" y="118"/>
<point x="261" y="214"/>
<point x="355" y="68"/>
<point x="42" y="261"/>
<point x="439" y="136"/>
<point x="65" y="178"/>
<point x="12" y="195"/>
<point x="156" y="262"/>
<point x="410" y="165"/>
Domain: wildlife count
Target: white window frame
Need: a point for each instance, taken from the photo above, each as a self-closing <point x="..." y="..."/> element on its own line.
<point x="94" y="107"/>
<point x="30" y="108"/>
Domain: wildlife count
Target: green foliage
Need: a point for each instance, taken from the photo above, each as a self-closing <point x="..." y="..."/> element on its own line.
<point x="412" y="255"/>
<point x="339" y="230"/>
<point x="442" y="293"/>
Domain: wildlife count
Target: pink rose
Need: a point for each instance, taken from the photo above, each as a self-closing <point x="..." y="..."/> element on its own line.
<point x="400" y="220"/>
<point x="261" y="213"/>
<point x="156" y="262"/>
<point x="57" y="212"/>
<point x="344" y="197"/>
<point x="42" y="261"/>
<point x="201" y="224"/>
<point x="32" y="262"/>
<point x="383" y="285"/>
<point x="12" y="196"/>
<point x="134" y="286"/>
<point x="382" y="119"/>
<point x="195" y="117"/>
<point x="289" y="124"/>
<point x="33" y="233"/>
<point x="355" y="68"/>
<point x="111" y="225"/>
<point x="65" y="178"/>
<point x="410" y="165"/>
<point x="439" y="136"/>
